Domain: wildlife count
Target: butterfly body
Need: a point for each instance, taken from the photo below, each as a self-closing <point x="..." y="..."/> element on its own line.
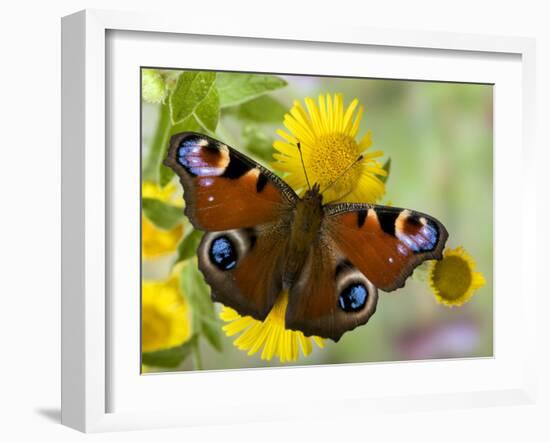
<point x="305" y="226"/>
<point x="262" y="238"/>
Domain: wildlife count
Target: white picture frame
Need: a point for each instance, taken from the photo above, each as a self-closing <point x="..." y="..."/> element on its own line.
<point x="93" y="364"/>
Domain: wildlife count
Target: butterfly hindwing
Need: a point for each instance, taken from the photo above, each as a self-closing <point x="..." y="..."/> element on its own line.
<point x="223" y="188"/>
<point x="331" y="296"/>
<point x="385" y="243"/>
<point x="244" y="267"/>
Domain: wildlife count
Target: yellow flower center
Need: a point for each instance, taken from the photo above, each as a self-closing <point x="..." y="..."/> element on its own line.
<point x="452" y="277"/>
<point x="332" y="154"/>
<point x="327" y="132"/>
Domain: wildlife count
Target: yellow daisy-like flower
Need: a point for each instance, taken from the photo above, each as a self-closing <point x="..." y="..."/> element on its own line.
<point x="157" y="242"/>
<point x="165" y="316"/>
<point x="327" y="136"/>
<point x="170" y="194"/>
<point x="269" y="334"/>
<point x="453" y="279"/>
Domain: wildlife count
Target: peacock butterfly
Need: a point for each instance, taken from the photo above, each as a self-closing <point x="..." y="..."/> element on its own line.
<point x="262" y="238"/>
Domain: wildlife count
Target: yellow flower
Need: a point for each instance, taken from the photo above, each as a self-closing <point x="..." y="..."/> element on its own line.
<point x="169" y="194"/>
<point x="327" y="136"/>
<point x="156" y="242"/>
<point x="165" y="319"/>
<point x="453" y="279"/>
<point x="269" y="334"/>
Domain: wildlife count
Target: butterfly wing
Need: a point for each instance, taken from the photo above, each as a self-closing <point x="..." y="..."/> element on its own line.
<point x="361" y="248"/>
<point x="245" y="210"/>
<point x="224" y="189"/>
<point x="244" y="267"/>
<point x="385" y="243"/>
<point x="331" y="296"/>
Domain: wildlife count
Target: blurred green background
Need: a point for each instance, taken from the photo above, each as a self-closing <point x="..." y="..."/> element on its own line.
<point x="439" y="138"/>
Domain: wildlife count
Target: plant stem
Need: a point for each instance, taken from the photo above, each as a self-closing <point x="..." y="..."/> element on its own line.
<point x="158" y="145"/>
<point x="197" y="359"/>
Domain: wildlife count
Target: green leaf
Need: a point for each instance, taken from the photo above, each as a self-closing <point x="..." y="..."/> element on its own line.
<point x="169" y="358"/>
<point x="195" y="95"/>
<point x="197" y="292"/>
<point x="170" y="78"/>
<point x="188" y="247"/>
<point x="386" y="167"/>
<point x="264" y="109"/>
<point x="237" y="88"/>
<point x="161" y="214"/>
<point x="257" y="142"/>
<point x="207" y="112"/>
<point x="211" y="331"/>
<point x="165" y="175"/>
<point x="190" y="124"/>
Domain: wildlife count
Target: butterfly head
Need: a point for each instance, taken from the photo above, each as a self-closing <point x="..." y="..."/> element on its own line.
<point x="310" y="211"/>
<point x="313" y="193"/>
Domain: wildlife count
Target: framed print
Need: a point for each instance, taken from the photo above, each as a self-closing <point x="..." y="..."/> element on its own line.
<point x="182" y="329"/>
<point x="267" y="211"/>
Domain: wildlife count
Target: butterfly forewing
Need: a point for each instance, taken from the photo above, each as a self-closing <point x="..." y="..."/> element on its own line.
<point x="223" y="188"/>
<point x="385" y="243"/>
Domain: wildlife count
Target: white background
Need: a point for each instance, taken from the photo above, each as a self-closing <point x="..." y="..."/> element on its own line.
<point x="30" y="221"/>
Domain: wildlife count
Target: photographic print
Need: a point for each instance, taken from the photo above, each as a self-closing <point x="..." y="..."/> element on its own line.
<point x="309" y="220"/>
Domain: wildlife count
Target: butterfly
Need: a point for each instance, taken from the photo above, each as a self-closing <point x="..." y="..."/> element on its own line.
<point x="262" y="238"/>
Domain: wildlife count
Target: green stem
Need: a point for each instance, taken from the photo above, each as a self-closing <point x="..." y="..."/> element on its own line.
<point x="159" y="145"/>
<point x="197" y="359"/>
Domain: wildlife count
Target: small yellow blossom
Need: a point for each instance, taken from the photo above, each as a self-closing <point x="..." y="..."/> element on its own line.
<point x="269" y="335"/>
<point x="157" y="242"/>
<point x="327" y="135"/>
<point x="453" y="279"/>
<point x="170" y="194"/>
<point x="165" y="315"/>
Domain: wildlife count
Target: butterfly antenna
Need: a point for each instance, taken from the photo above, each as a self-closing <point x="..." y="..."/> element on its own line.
<point x="303" y="165"/>
<point x="357" y="160"/>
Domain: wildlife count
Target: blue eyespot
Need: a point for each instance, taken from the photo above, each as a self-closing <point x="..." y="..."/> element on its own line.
<point x="222" y="253"/>
<point x="353" y="297"/>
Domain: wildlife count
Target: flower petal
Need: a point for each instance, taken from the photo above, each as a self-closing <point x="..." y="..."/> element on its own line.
<point x="366" y="141"/>
<point x="355" y="128"/>
<point x="315" y="116"/>
<point x="299" y="131"/>
<point x="347" y="117"/>
<point x="269" y="335"/>
<point x="323" y="114"/>
<point x="331" y="113"/>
